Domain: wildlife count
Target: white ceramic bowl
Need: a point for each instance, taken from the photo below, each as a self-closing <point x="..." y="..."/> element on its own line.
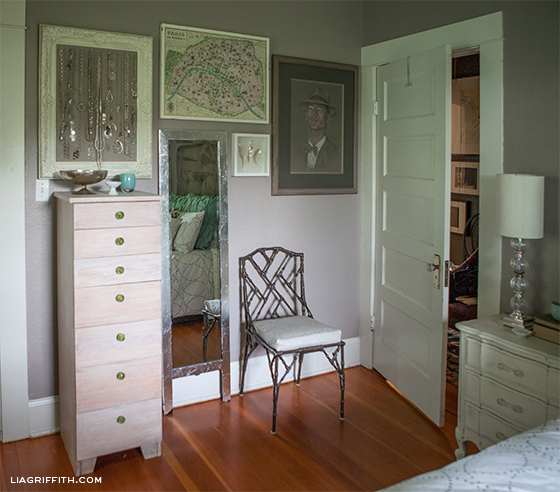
<point x="113" y="185"/>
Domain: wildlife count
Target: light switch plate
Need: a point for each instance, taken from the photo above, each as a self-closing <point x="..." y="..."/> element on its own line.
<point x="42" y="194"/>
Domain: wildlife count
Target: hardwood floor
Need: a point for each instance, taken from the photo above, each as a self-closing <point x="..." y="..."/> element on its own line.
<point x="215" y="446"/>
<point x="187" y="343"/>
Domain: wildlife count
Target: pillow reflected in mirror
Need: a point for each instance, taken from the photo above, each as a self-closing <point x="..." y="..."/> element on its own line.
<point x="188" y="231"/>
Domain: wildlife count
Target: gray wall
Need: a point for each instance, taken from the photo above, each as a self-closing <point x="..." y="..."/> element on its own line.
<point x="326" y="228"/>
<point x="320" y="226"/>
<point x="531" y="111"/>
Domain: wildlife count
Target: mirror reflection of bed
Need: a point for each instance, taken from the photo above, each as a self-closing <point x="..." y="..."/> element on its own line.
<point x="194" y="256"/>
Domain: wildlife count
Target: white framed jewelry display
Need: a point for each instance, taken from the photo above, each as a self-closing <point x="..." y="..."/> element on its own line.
<point x="95" y="102"/>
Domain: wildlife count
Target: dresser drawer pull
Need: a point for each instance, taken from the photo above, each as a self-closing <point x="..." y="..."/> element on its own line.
<point x="500" y="435"/>
<point x="121" y="337"/>
<point x="515" y="408"/>
<point x="516" y="372"/>
<point x="119" y="270"/>
<point x="119" y="215"/>
<point x="119" y="298"/>
<point x="119" y="241"/>
<point x="121" y="419"/>
<point x="120" y="376"/>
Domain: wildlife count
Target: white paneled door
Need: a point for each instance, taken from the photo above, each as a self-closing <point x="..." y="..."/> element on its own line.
<point x="413" y="203"/>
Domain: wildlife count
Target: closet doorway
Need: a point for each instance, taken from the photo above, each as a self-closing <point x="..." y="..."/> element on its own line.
<point x="465" y="190"/>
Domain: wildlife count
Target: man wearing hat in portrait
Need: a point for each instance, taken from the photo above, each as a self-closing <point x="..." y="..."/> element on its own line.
<point x="319" y="154"/>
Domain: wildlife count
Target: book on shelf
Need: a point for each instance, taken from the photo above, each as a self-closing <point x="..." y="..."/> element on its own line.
<point x="548" y="321"/>
<point x="546" y="333"/>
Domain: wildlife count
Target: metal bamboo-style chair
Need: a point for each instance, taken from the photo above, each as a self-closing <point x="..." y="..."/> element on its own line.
<point x="278" y="318"/>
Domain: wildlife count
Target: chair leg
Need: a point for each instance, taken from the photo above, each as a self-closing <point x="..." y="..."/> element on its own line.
<point x="244" y="364"/>
<point x="275" y="391"/>
<point x="204" y="335"/>
<point x="341" y="376"/>
<point x="300" y="363"/>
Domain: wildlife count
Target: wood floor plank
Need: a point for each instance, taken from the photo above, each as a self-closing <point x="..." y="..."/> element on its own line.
<point x="9" y="467"/>
<point x="187" y="457"/>
<point x="217" y="446"/>
<point x="186" y="481"/>
<point x="354" y="444"/>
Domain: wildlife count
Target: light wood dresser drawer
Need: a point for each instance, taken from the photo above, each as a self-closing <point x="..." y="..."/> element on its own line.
<point x="111" y="343"/>
<point x="114" y="214"/>
<point x="121" y="303"/>
<point x="98" y="243"/>
<point x="109" y="325"/>
<point x="100" y="432"/>
<point x="108" y="385"/>
<point x="117" y="270"/>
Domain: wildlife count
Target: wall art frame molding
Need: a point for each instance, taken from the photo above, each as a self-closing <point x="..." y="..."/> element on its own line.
<point x="65" y="49"/>
<point x="297" y="81"/>
<point x="251" y="154"/>
<point x="458" y="217"/>
<point x="465" y="177"/>
<point x="234" y="87"/>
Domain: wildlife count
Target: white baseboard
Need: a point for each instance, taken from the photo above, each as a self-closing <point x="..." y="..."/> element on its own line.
<point x="195" y="389"/>
<point x="44" y="416"/>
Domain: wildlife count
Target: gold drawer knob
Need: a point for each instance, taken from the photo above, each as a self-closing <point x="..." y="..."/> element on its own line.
<point x="119" y="215"/>
<point x="121" y="337"/>
<point x="121" y="419"/>
<point x="119" y="298"/>
<point x="119" y="270"/>
<point x="120" y="376"/>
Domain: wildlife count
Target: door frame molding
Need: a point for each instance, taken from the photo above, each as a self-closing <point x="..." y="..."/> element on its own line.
<point x="14" y="395"/>
<point x="485" y="32"/>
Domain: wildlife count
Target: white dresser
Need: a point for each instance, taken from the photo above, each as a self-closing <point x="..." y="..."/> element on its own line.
<point x="109" y="325"/>
<point x="507" y="383"/>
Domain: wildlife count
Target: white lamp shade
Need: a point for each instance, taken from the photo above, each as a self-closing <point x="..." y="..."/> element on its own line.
<point x="520" y="205"/>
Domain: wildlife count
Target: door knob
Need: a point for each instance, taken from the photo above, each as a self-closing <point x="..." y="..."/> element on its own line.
<point x="431" y="267"/>
<point x="434" y="268"/>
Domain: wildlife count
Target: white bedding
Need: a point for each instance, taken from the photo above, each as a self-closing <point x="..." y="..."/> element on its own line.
<point x="194" y="279"/>
<point x="528" y="462"/>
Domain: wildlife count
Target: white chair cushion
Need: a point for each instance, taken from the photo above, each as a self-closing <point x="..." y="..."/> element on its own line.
<point x="295" y="332"/>
<point x="213" y="306"/>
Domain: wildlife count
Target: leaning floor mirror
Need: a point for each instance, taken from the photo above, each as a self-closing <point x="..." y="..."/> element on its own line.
<point x="195" y="313"/>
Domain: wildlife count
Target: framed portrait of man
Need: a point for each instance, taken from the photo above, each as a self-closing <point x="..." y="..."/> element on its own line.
<point x="314" y="127"/>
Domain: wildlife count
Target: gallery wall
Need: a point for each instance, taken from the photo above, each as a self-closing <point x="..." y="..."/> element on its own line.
<point x="325" y="228"/>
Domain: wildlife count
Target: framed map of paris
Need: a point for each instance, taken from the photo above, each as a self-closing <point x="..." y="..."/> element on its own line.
<point x="213" y="75"/>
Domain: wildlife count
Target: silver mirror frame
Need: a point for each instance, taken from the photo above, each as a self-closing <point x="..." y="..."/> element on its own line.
<point x="223" y="364"/>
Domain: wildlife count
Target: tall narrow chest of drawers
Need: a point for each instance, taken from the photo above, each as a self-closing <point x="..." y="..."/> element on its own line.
<point x="507" y="384"/>
<point x="109" y="325"/>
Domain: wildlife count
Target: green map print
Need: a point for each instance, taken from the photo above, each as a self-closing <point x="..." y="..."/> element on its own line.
<point x="216" y="78"/>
